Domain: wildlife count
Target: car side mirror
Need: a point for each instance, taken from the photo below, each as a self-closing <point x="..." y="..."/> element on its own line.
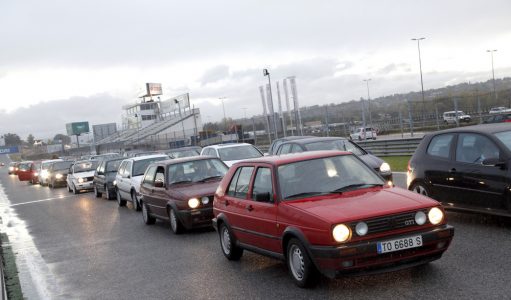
<point x="494" y="161"/>
<point x="263" y="197"/>
<point x="159" y="184"/>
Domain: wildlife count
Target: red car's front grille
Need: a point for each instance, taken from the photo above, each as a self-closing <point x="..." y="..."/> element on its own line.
<point x="389" y="222"/>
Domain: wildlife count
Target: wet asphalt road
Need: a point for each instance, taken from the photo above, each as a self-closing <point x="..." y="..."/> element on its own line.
<point x="92" y="249"/>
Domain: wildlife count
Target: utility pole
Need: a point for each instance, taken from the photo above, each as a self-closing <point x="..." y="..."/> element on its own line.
<point x="270" y="98"/>
<point x="223" y="108"/>
<point x="422" y="83"/>
<point x="243" y="126"/>
<point x="493" y="73"/>
<point x="369" y="102"/>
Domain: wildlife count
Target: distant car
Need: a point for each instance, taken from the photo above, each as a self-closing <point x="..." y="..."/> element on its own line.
<point x="340" y="144"/>
<point x="498" y="118"/>
<point x="57" y="173"/>
<point x="129" y="176"/>
<point x="498" y="110"/>
<point x="232" y="153"/>
<point x="364" y="133"/>
<point x="181" y="190"/>
<point x="36" y="166"/>
<point x="25" y="171"/>
<point x="276" y="143"/>
<point x="466" y="168"/>
<point x="326" y="212"/>
<point x="104" y="156"/>
<point x="184" y="152"/>
<point x="81" y="176"/>
<point x="43" y="170"/>
<point x="13" y="168"/>
<point x="450" y="117"/>
<point x="104" y="177"/>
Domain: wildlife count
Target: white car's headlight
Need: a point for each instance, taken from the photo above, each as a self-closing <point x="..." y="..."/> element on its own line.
<point x="435" y="215"/>
<point x="341" y="233"/>
<point x="385" y="167"/>
<point x="44" y="174"/>
<point x="80" y="180"/>
<point x="58" y="176"/>
<point x="193" y="203"/>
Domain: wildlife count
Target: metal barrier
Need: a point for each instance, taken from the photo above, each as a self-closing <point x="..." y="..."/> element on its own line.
<point x="397" y="147"/>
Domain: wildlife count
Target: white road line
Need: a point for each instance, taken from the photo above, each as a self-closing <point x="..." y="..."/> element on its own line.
<point x="42" y="200"/>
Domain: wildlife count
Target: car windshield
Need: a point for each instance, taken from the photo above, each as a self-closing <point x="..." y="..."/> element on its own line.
<point x="139" y="166"/>
<point x="505" y="138"/>
<point x="324" y="176"/>
<point x="239" y="152"/>
<point x="184" y="153"/>
<point x="85" y="166"/>
<point x="113" y="166"/>
<point x="196" y="171"/>
<point x="25" y="166"/>
<point x="62" y="165"/>
<point x="342" y="145"/>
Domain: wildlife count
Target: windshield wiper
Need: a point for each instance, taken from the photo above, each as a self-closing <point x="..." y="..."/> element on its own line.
<point x="210" y="177"/>
<point x="182" y="181"/>
<point x="354" y="186"/>
<point x="305" y="194"/>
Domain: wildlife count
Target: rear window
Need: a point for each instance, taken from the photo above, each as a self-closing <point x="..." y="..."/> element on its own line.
<point x="440" y="145"/>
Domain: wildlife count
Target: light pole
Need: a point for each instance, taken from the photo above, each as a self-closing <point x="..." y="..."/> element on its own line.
<point x="422" y="83"/>
<point x="243" y="125"/>
<point x="182" y="121"/>
<point x="225" y="118"/>
<point x="493" y="72"/>
<point x="266" y="73"/>
<point x="369" y="102"/>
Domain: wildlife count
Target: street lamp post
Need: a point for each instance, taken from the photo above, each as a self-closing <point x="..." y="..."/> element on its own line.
<point x="422" y="83"/>
<point x="266" y="73"/>
<point x="369" y="102"/>
<point x="242" y="126"/>
<point x="493" y="72"/>
<point x="225" y="118"/>
<point x="182" y="121"/>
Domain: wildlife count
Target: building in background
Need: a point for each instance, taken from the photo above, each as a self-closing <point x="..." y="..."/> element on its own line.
<point x="101" y="131"/>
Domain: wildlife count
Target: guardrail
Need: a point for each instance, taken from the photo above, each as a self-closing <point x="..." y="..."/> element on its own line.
<point x="397" y="147"/>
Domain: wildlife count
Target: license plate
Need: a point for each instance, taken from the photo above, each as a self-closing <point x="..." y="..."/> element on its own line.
<point x="399" y="244"/>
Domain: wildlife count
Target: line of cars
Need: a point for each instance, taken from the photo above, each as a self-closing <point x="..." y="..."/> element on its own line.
<point x="328" y="208"/>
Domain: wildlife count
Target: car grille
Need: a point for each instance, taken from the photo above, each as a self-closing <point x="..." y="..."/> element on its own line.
<point x="90" y="178"/>
<point x="389" y="222"/>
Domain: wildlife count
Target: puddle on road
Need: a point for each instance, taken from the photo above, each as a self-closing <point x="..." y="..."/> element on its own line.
<point x="37" y="280"/>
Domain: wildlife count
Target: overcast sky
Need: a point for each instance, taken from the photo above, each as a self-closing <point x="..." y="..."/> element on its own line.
<point x="64" y="61"/>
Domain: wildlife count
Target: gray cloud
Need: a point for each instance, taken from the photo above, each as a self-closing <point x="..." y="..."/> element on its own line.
<point x="215" y="74"/>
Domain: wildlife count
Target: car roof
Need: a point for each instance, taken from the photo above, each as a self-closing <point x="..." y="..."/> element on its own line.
<point x="185" y="159"/>
<point x="184" y="148"/>
<point x="219" y="146"/>
<point x="483" y="128"/>
<point x="278" y="160"/>
<point x="314" y="140"/>
<point x="144" y="157"/>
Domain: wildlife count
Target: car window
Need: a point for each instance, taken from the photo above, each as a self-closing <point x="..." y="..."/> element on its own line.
<point x="149" y="175"/>
<point x="474" y="148"/>
<point x="121" y="168"/>
<point x="160" y="174"/>
<point x="101" y="168"/>
<point x="275" y="146"/>
<point x="196" y="170"/>
<point x="113" y="165"/>
<point x="262" y="183"/>
<point x="284" y="149"/>
<point x="296" y="149"/>
<point x="239" y="153"/>
<point x="232" y="186"/>
<point x="140" y="165"/>
<point x="243" y="182"/>
<point x="505" y="138"/>
<point x="440" y="145"/>
<point x="127" y="169"/>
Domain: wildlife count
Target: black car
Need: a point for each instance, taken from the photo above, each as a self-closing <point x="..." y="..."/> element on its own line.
<point x="467" y="168"/>
<point x="57" y="173"/>
<point x="276" y="143"/>
<point x="104" y="177"/>
<point x="184" y="152"/>
<point x="336" y="143"/>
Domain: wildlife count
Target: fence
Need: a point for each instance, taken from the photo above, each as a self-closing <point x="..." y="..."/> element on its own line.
<point x="394" y="147"/>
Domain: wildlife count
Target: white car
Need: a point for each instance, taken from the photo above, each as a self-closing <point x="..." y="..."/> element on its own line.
<point x="450" y="117"/>
<point x="81" y="176"/>
<point x="232" y="153"/>
<point x="498" y="110"/>
<point x="363" y="134"/>
<point x="129" y="176"/>
<point x="43" y="170"/>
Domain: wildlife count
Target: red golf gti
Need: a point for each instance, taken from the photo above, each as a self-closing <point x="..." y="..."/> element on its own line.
<point x="326" y="212"/>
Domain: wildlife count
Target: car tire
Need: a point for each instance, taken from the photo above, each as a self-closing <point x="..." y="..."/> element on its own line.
<point x="75" y="191"/>
<point x="108" y="194"/>
<point x="228" y="243"/>
<point x="301" y="268"/>
<point x="148" y="219"/>
<point x="120" y="201"/>
<point x="51" y="185"/>
<point x="421" y="188"/>
<point x="134" y="200"/>
<point x="97" y="194"/>
<point x="68" y="188"/>
<point x="175" y="224"/>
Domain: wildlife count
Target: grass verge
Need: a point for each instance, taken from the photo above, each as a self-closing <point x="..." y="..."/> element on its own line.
<point x="12" y="281"/>
<point x="397" y="163"/>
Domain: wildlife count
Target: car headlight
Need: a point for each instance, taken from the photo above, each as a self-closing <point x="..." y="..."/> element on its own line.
<point x="114" y="183"/>
<point x="420" y="218"/>
<point x="80" y="180"/>
<point x="58" y="176"/>
<point x="385" y="168"/>
<point x="361" y="228"/>
<point x="44" y="174"/>
<point x="341" y="233"/>
<point x="36" y="174"/>
<point x="435" y="215"/>
<point x="204" y="200"/>
<point x="11" y="169"/>
<point x="193" y="203"/>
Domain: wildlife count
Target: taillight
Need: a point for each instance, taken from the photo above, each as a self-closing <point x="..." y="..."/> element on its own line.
<point x="408" y="167"/>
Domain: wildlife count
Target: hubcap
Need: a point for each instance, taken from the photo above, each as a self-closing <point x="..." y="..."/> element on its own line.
<point x="226" y="241"/>
<point x="296" y="262"/>
<point x="420" y="190"/>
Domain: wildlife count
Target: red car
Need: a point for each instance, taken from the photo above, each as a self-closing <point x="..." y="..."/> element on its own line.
<point x="27" y="171"/>
<point x="326" y="212"/>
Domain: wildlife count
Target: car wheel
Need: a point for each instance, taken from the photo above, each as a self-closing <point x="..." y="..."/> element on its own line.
<point x="68" y="188"/>
<point x="228" y="244"/>
<point x="148" y="219"/>
<point x="96" y="193"/>
<point x="52" y="185"/>
<point x="301" y="268"/>
<point x="120" y="201"/>
<point x="420" y="188"/>
<point x="108" y="194"/>
<point x="134" y="200"/>
<point x="75" y="191"/>
<point x="175" y="224"/>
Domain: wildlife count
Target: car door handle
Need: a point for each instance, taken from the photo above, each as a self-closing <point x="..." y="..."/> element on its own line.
<point x="453" y="170"/>
<point x="249" y="207"/>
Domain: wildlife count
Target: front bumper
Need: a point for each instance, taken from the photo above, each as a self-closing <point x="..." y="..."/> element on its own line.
<point x="88" y="185"/>
<point x="196" y="218"/>
<point x="362" y="258"/>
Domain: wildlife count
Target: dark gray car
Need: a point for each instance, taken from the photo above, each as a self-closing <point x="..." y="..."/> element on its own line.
<point x="104" y="177"/>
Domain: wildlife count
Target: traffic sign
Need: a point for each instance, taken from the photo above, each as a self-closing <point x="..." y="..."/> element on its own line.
<point x="9" y="150"/>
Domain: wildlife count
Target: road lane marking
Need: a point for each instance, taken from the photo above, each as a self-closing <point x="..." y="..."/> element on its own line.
<point x="42" y="200"/>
